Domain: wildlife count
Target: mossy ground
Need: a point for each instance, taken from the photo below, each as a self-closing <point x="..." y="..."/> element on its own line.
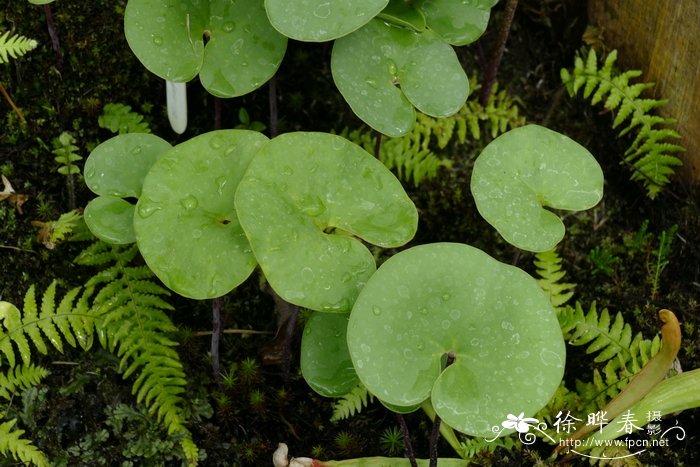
<point x="240" y="420"/>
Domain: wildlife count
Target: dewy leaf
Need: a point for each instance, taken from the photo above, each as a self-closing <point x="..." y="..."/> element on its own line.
<point x="321" y="20"/>
<point x="242" y="50"/>
<point x="118" y="166"/>
<point x="111" y="219"/>
<point x="325" y="360"/>
<point x="185" y="222"/>
<point x="529" y="168"/>
<point x="383" y="71"/>
<point x="302" y="201"/>
<point x="114" y="170"/>
<point x="452" y="299"/>
<point x="457" y="22"/>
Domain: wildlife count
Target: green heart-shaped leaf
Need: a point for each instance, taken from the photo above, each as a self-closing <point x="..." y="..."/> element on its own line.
<point x="320" y="20"/>
<point x="118" y="166"/>
<point x="448" y="298"/>
<point x="457" y="22"/>
<point x="243" y="50"/>
<point x="115" y="169"/>
<point x="303" y="198"/>
<point x="528" y="168"/>
<point x="325" y="360"/>
<point x="383" y="71"/>
<point x="111" y="219"/>
<point x="185" y="222"/>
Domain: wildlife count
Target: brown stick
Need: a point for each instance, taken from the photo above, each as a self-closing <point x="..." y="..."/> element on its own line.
<point x="9" y="100"/>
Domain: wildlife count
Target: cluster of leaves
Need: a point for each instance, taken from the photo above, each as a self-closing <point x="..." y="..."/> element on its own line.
<point x="415" y="156"/>
<point x="124" y="309"/>
<point x="64" y="150"/>
<point x="651" y="155"/>
<point x="14" y="46"/>
<point x="619" y="352"/>
<point x="119" y="118"/>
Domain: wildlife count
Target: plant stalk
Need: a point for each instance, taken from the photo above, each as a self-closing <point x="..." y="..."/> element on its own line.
<point x="272" y="96"/>
<point x="407" y="440"/>
<point x="53" y="34"/>
<point x="495" y="62"/>
<point x="216" y="306"/>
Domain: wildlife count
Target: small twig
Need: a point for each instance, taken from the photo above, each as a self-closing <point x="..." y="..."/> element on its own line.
<point x="288" y="338"/>
<point x="9" y="100"/>
<point x="272" y="94"/>
<point x="492" y="70"/>
<point x="216" y="307"/>
<point x="18" y="249"/>
<point x="62" y="362"/>
<point x="406" y="440"/>
<point x="231" y="331"/>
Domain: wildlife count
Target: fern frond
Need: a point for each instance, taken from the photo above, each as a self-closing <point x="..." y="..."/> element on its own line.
<point x="50" y="323"/>
<point x="351" y="403"/>
<point x="12" y="443"/>
<point x="548" y="264"/>
<point x="621" y="354"/>
<point x="118" y="118"/>
<point x="129" y="310"/>
<point x="650" y="155"/>
<point x="472" y="447"/>
<point x="14" y="46"/>
<point x="20" y="378"/>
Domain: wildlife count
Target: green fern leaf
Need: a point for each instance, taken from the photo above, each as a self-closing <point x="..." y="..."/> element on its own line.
<point x="118" y="118"/>
<point x="14" y="46"/>
<point x="20" y="378"/>
<point x="351" y="403"/>
<point x="649" y="156"/>
<point x="548" y="264"/>
<point x="12" y="443"/>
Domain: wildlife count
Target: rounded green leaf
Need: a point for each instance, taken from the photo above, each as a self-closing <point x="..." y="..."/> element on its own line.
<point x="526" y="169"/>
<point x="325" y="360"/>
<point x="448" y="298"/>
<point x="383" y="71"/>
<point x="321" y="20"/>
<point x="403" y="14"/>
<point x="111" y="219"/>
<point x="242" y="50"/>
<point x="185" y="222"/>
<point x="302" y="202"/>
<point x="117" y="166"/>
<point x="457" y="22"/>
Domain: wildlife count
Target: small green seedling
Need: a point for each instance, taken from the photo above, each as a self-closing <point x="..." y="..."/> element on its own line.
<point x="448" y="301"/>
<point x="321" y="20"/>
<point x="185" y="222"/>
<point x="302" y="203"/>
<point x="527" y="169"/>
<point x="384" y="71"/>
<point x="115" y="171"/>
<point x="231" y="45"/>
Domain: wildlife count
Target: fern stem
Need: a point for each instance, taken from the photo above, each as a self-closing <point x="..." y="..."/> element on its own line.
<point x="408" y="447"/>
<point x="217" y="113"/>
<point x="492" y="70"/>
<point x="9" y="100"/>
